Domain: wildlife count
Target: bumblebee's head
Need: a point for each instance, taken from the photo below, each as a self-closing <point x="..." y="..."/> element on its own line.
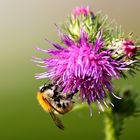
<point x="42" y="89"/>
<point x="45" y="87"/>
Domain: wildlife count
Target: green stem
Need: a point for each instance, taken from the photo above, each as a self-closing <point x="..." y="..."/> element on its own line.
<point x="113" y="126"/>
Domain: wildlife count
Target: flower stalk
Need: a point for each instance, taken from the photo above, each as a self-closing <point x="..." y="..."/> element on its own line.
<point x="113" y="126"/>
<point x="128" y="106"/>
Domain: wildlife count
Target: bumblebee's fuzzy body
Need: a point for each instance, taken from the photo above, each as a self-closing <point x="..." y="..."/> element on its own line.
<point x="51" y="100"/>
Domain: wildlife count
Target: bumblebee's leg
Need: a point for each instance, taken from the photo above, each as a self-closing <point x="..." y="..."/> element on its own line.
<point x="70" y="96"/>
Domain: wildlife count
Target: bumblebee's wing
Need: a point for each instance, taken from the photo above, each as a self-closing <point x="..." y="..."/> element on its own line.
<point x="56" y="120"/>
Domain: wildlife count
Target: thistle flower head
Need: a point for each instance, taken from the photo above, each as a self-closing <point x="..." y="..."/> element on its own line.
<point x="90" y="58"/>
<point x="83" y="66"/>
<point x="124" y="47"/>
<point x="129" y="48"/>
<point x="81" y="11"/>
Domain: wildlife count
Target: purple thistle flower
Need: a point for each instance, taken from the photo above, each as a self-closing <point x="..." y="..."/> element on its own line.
<point x="82" y="66"/>
<point x="81" y="11"/>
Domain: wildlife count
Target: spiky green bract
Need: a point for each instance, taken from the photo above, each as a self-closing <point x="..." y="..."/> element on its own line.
<point x="92" y="24"/>
<point x="128" y="106"/>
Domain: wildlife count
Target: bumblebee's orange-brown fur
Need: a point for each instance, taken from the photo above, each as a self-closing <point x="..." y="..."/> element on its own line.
<point x="45" y="105"/>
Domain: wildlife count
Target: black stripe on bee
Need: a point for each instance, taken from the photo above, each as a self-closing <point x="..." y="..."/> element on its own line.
<point x="59" y="105"/>
<point x="63" y="106"/>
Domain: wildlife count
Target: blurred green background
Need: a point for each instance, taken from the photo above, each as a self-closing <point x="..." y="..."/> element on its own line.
<point x="23" y="25"/>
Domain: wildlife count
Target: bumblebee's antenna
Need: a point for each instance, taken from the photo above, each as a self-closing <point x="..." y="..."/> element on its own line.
<point x="45" y="84"/>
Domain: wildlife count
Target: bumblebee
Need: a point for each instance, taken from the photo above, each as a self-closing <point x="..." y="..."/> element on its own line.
<point x="53" y="102"/>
